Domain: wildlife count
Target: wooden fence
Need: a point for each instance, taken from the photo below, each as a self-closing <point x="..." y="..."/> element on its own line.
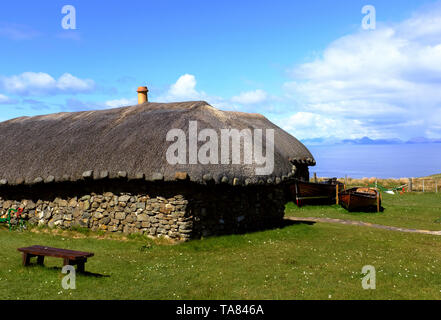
<point x="410" y="184"/>
<point x="424" y="185"/>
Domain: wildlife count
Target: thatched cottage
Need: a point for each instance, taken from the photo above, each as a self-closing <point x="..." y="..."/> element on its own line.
<point x="109" y="170"/>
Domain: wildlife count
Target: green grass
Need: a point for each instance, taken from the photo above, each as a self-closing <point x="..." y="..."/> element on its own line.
<point x="411" y="210"/>
<point x="320" y="261"/>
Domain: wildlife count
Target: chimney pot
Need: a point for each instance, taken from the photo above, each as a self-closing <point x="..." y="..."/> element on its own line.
<point x="142" y="94"/>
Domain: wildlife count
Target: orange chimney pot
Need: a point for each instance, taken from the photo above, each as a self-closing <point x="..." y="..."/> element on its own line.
<point x="142" y="95"/>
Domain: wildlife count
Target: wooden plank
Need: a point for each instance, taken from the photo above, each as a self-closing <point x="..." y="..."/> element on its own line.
<point x="65" y="251"/>
<point x="56" y="252"/>
<point x="56" y="255"/>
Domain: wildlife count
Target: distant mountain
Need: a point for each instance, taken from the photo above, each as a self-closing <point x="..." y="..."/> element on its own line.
<point x="367" y="141"/>
<point x="423" y="140"/>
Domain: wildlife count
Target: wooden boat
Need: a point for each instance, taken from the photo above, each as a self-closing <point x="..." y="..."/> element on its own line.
<point x="360" y="199"/>
<point x="308" y="193"/>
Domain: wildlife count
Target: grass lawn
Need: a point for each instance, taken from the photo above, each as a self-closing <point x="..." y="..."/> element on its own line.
<point x="299" y="261"/>
<point x="411" y="210"/>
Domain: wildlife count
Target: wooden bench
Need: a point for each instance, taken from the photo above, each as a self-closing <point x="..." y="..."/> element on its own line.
<point x="70" y="257"/>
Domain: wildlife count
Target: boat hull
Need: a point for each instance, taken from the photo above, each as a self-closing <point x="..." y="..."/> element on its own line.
<point x="307" y="193"/>
<point x="360" y="199"/>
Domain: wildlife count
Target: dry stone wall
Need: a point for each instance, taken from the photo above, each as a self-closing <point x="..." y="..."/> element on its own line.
<point x="184" y="212"/>
<point x="126" y="213"/>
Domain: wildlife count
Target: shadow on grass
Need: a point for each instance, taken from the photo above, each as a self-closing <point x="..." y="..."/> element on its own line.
<point x="84" y="273"/>
<point x="291" y="208"/>
<point x="288" y="223"/>
<point x="280" y="225"/>
<point x="278" y="231"/>
<point x="58" y="269"/>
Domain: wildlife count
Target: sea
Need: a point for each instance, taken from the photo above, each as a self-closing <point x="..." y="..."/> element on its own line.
<point x="380" y="161"/>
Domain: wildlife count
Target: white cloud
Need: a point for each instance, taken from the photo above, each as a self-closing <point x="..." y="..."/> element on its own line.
<point x="251" y="97"/>
<point x="307" y="125"/>
<point x="383" y="78"/>
<point x="6" y="100"/>
<point x="16" y="31"/>
<point x="121" y="102"/>
<point x="184" y="89"/>
<point x="68" y="82"/>
<point x="33" y="83"/>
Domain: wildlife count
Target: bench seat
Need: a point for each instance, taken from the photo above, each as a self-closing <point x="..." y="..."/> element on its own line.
<point x="70" y="257"/>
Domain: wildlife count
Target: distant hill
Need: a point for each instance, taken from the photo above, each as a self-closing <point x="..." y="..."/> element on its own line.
<point x="368" y="141"/>
<point x="423" y="140"/>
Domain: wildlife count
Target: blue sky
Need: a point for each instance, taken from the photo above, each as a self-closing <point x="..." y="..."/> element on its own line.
<point x="308" y="66"/>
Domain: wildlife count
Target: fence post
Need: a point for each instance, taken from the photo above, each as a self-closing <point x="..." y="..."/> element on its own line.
<point x="423" y="185"/>
<point x="436" y="186"/>
<point x="410" y="187"/>
<point x="336" y="193"/>
<point x="315" y="177"/>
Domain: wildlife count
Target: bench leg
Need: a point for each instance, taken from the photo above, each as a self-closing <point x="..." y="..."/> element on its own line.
<point x="80" y="266"/>
<point x="80" y="263"/>
<point x="26" y="259"/>
<point x="67" y="262"/>
<point x="40" y="260"/>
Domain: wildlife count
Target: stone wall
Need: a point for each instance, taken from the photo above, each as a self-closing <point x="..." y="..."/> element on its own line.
<point x="180" y="212"/>
<point x="126" y="213"/>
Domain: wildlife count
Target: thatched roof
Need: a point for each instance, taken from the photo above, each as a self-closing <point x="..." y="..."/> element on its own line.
<point x="130" y="142"/>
